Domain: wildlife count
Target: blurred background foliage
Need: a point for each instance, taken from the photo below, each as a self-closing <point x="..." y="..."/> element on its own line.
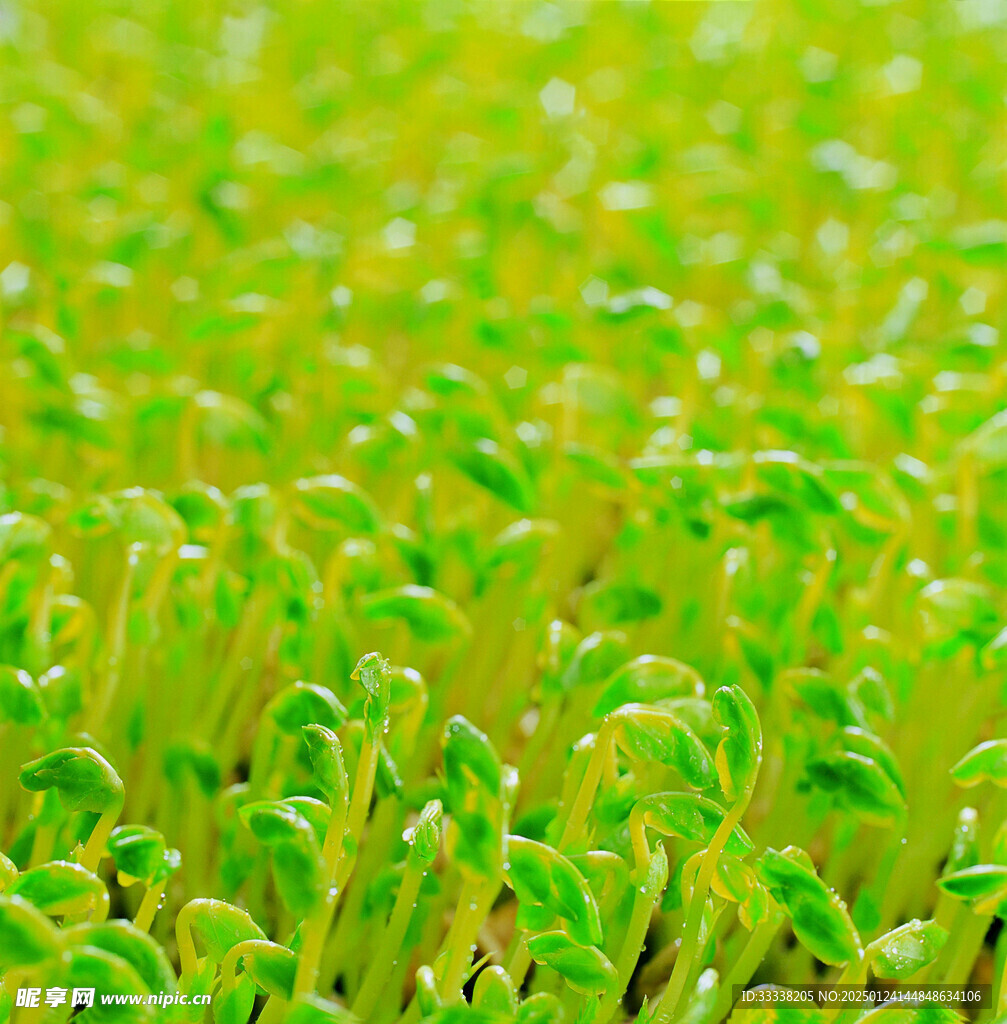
<point x="300" y="204"/>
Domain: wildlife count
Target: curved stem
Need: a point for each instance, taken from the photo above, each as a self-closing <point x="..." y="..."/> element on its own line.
<point x="229" y="965"/>
<point x="91" y="857"/>
<point x="183" y="938"/>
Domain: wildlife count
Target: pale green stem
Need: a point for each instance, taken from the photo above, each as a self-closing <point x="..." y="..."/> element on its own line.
<point x="589" y="786"/>
<point x="360" y="803"/>
<point x="149" y="906"/>
<point x="183" y="939"/>
<point x="390" y="948"/>
<point x="42" y="844"/>
<point x="95" y="847"/>
<point x="229" y="965"/>
<point x="668" y="1005"/>
<point x="1002" y="991"/>
<point x="116" y="645"/>
<point x="747" y="964"/>
<point x="473" y="905"/>
<point x="636" y="934"/>
<point x="273" y="1011"/>
<point x="519" y="963"/>
<point x="855" y="973"/>
<point x="247" y="636"/>
<point x="968" y="942"/>
<point x="316" y="927"/>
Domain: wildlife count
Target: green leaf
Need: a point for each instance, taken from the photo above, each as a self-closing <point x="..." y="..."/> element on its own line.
<point x="139" y="517"/>
<point x="429" y="615"/>
<point x="648" y="679"/>
<point x="256" y="509"/>
<point x="27" y="936"/>
<point x="820" y="919"/>
<point x="23" y="537"/>
<point x="822" y="696"/>
<point x="739" y="754"/>
<point x="485" y="463"/>
<point x="428" y="996"/>
<point x="221" y="925"/>
<point x="521" y="542"/>
<point x="235" y="1006"/>
<point x="594" y="658"/>
<point x="424" y="837"/>
<point x="326" y="755"/>
<point x="964" y="851"/>
<point x="327" y="502"/>
<point x="470" y="762"/>
<point x="994" y="654"/>
<point x="273" y="822"/>
<point x="474" y="783"/>
<point x="374" y="674"/>
<point x="138" y="852"/>
<point x="541" y="1008"/>
<point x="312" y="1009"/>
<point x="60" y="687"/>
<point x="957" y="610"/>
<point x="298" y="865"/>
<point x="900" y="953"/>
<point x="61" y="887"/>
<point x="703" y="999"/>
<point x="84" y="780"/>
<point x="861" y="785"/>
<point x="651" y="734"/>
<point x="986" y="762"/>
<point x="272" y="967"/>
<point x="202" y="507"/>
<point x="984" y="886"/>
<point x="860" y="741"/>
<point x="192" y="759"/>
<point x="134" y="946"/>
<point x="987" y="444"/>
<point x="586" y="970"/>
<point x="540" y="875"/>
<point x="789" y="474"/>
<point x="598" y="465"/>
<point x="302" y="704"/>
<point x="8" y="871"/>
<point x="299" y="870"/>
<point x="736" y="881"/>
<point x="317" y="813"/>
<point x="109" y="974"/>
<point x="20" y="700"/>
<point x="494" y="992"/>
<point x="614" y="604"/>
<point x="230" y="422"/>
<point x="690" y="816"/>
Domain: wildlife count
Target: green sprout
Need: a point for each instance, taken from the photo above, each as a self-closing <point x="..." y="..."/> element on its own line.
<point x="631" y="376"/>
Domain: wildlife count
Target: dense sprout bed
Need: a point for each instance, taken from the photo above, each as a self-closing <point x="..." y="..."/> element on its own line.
<point x="630" y="376"/>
